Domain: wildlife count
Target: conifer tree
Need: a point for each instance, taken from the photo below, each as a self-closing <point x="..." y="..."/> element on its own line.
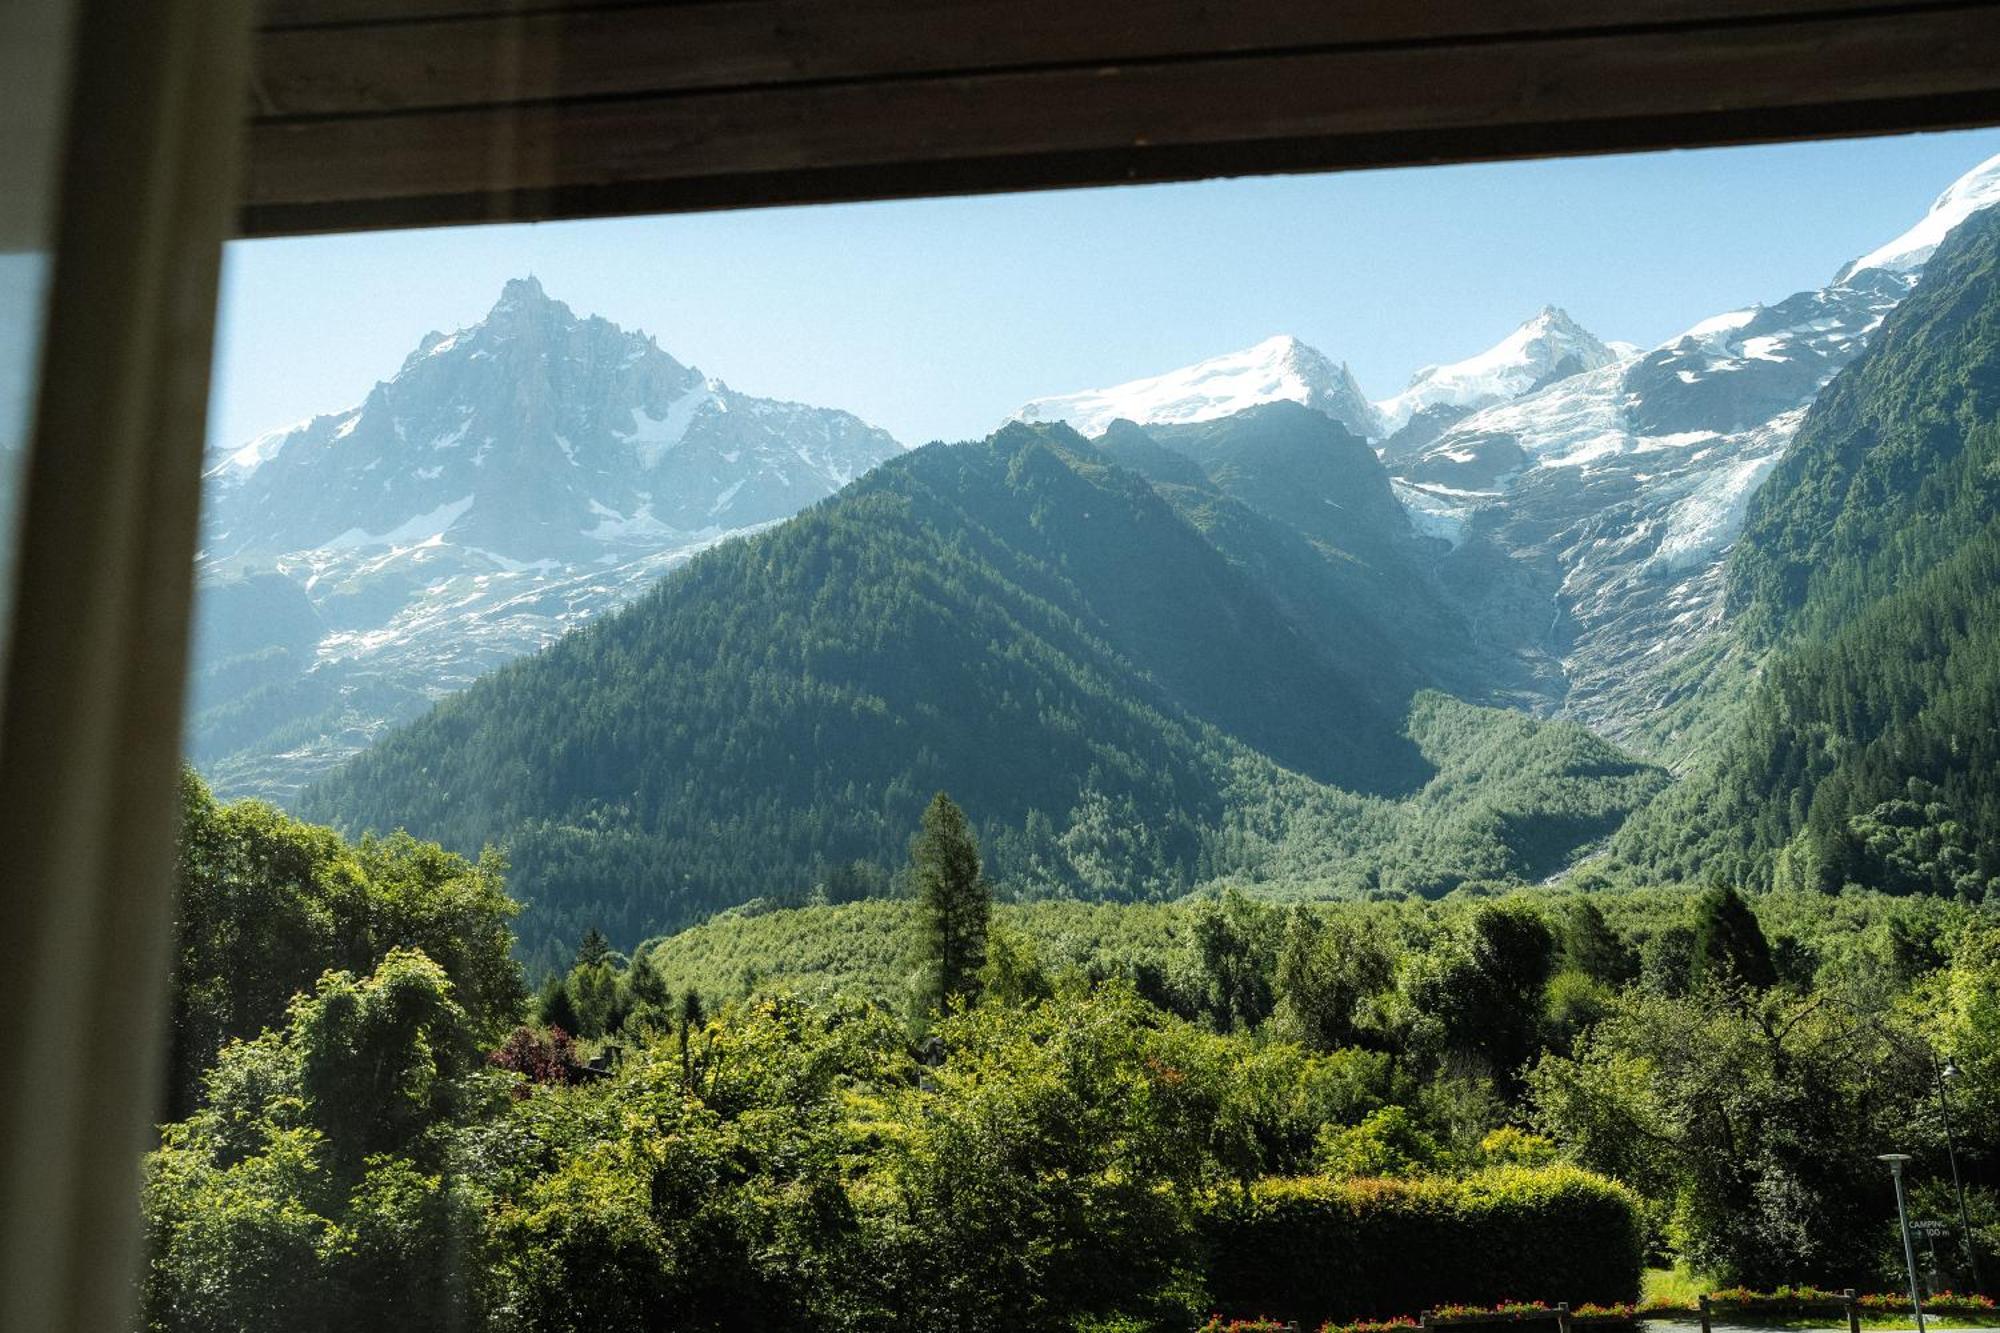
<point x="648" y="989"/>
<point x="691" y="1017"/>
<point x="954" y="904"/>
<point x="556" y="1009"/>
<point x="1590" y="946"/>
<point x="593" y="949"/>
<point x="1728" y="943"/>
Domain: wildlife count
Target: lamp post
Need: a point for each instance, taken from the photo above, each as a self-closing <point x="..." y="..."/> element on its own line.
<point x="1945" y="1073"/>
<point x="1895" y="1161"/>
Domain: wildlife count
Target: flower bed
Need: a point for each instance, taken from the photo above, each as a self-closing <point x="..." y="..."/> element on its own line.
<point x="1397" y="1325"/>
<point x="1784" y="1299"/>
<point x="1945" y="1302"/>
<point x="1501" y="1313"/>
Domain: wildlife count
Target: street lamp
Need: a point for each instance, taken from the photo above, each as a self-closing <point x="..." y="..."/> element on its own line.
<point x="1895" y="1161"/>
<point x="1945" y="1073"/>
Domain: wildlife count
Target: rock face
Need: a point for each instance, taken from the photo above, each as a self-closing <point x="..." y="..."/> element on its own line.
<point x="1596" y="514"/>
<point x="513" y="480"/>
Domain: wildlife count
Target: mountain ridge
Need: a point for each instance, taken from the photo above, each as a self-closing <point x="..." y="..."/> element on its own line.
<point x="1119" y="695"/>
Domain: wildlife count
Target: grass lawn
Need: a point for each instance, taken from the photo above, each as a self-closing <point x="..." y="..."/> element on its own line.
<point x="1676" y="1285"/>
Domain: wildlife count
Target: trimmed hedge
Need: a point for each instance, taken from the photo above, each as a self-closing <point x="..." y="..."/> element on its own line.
<point x="1311" y="1248"/>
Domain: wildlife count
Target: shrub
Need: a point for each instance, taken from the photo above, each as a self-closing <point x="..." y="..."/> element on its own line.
<point x="1312" y="1248"/>
<point x="538" y="1059"/>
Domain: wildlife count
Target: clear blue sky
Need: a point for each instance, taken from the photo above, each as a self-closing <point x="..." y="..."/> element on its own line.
<point x="934" y="318"/>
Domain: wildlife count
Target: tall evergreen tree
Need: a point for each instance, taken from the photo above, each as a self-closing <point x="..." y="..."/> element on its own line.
<point x="692" y="1016"/>
<point x="593" y="949"/>
<point x="556" y="1009"/>
<point x="955" y="906"/>
<point x="1729" y="945"/>
<point x="648" y="989"/>
<point x="1591" y="946"/>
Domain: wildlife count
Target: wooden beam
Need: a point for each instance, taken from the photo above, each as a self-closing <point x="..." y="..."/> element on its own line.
<point x="489" y="56"/>
<point x="1374" y="104"/>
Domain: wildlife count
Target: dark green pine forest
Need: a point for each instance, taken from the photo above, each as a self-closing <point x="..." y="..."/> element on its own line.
<point x="1135" y="687"/>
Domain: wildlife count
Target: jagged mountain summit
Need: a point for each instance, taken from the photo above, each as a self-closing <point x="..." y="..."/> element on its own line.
<point x="512" y="480"/>
<point x="1545" y="349"/>
<point x="1549" y="347"/>
<point x="1598" y="513"/>
<point x="1279" y="369"/>
<point x="535" y="434"/>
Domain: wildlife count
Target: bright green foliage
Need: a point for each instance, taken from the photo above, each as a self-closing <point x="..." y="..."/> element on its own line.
<point x="1575" y="1002"/>
<point x="1013" y="974"/>
<point x="593" y="995"/>
<point x="954" y="905"/>
<point x="1389" y="1142"/>
<point x="1314" y="1247"/>
<point x="1438" y="990"/>
<point x="1962" y="1003"/>
<point x="699" y="1197"/>
<point x="1755" y="1128"/>
<point x="1326" y="970"/>
<point x="868" y="948"/>
<point x="1224" y="972"/>
<point x="312" y="1191"/>
<point x="1076" y="1149"/>
<point x="1048" y="1179"/>
<point x="267" y="903"/>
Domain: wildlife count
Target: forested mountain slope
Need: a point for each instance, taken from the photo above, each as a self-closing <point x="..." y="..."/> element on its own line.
<point x="1870" y="571"/>
<point x="1123" y="702"/>
<point x="1311" y="513"/>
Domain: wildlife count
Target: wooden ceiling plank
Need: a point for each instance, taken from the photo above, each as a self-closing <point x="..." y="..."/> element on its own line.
<point x="493" y="59"/>
<point x="1153" y="164"/>
<point x="1239" y="100"/>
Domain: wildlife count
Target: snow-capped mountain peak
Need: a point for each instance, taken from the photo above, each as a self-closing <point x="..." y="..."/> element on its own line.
<point x="537" y="434"/>
<point x="1977" y="189"/>
<point x="1280" y="368"/>
<point x="1546" y="348"/>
